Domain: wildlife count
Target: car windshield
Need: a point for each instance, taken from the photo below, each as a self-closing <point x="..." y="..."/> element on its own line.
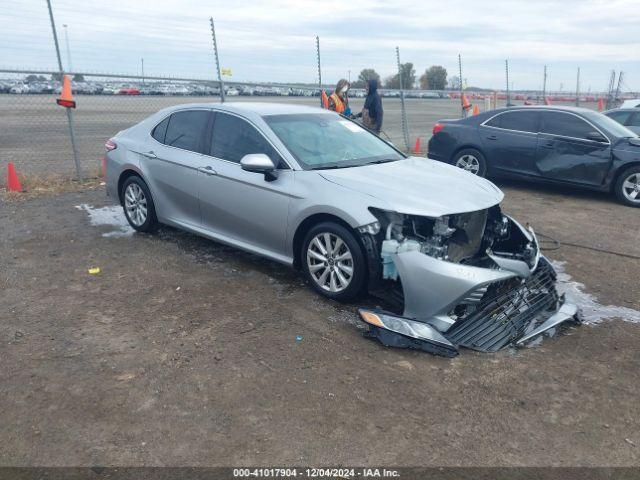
<point x="322" y="141"/>
<point x="611" y="125"/>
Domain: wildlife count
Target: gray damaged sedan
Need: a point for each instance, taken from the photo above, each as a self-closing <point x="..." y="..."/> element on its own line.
<point x="316" y="191"/>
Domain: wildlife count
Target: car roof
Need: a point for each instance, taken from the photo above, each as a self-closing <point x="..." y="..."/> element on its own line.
<point x="561" y="108"/>
<point x="256" y="108"/>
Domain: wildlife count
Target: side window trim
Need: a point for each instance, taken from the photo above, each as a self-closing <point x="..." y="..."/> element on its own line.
<point x="539" y="110"/>
<point x="484" y="124"/>
<point x="210" y="135"/>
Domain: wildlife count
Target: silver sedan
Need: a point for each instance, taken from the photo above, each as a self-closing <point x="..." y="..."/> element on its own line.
<point x="314" y="190"/>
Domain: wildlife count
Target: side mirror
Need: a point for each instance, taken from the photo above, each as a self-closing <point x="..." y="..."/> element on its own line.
<point x="597" y="137"/>
<point x="259" y="163"/>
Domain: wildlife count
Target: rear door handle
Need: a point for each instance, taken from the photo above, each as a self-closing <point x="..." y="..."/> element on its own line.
<point x="492" y="137"/>
<point x="549" y="144"/>
<point x="150" y="154"/>
<point x="208" y="170"/>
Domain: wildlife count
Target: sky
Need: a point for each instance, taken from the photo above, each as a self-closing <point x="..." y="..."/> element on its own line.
<point x="274" y="40"/>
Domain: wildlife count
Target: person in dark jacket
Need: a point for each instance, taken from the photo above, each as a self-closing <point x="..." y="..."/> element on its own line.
<point x="372" y="112"/>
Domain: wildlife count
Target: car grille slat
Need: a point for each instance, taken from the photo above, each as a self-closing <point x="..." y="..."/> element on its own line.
<point x="505" y="311"/>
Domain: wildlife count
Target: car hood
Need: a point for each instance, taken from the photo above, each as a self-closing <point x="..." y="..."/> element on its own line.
<point x="418" y="186"/>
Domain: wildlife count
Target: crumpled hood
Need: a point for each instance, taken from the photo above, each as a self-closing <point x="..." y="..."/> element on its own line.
<point x="419" y="186"/>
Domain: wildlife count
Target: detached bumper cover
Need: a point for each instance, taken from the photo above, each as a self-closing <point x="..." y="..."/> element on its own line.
<point x="478" y="308"/>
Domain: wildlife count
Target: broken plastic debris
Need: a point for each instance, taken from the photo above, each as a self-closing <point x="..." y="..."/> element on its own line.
<point x="298" y="338"/>
<point x="94" y="270"/>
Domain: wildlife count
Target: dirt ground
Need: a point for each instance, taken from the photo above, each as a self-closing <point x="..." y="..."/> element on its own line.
<point x="184" y="352"/>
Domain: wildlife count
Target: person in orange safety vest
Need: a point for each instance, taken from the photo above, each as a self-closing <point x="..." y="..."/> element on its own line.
<point x="338" y="100"/>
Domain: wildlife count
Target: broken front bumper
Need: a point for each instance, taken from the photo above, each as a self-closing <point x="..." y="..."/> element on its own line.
<point x="458" y="305"/>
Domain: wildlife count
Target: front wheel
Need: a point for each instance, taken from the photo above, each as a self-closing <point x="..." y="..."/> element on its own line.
<point x="333" y="262"/>
<point x="472" y="161"/>
<point x="627" y="187"/>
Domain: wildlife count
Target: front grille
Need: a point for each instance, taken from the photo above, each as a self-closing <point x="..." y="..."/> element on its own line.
<point x="506" y="310"/>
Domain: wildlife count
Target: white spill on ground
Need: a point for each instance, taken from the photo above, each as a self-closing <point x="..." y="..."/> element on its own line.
<point x="592" y="311"/>
<point x="109" y="216"/>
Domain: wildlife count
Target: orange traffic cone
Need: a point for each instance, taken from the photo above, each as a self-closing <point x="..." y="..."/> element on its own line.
<point x="103" y="168"/>
<point x="416" y="147"/>
<point x="465" y="102"/>
<point x="66" y="98"/>
<point x="13" y="183"/>
<point x="476" y="110"/>
<point x="600" y="104"/>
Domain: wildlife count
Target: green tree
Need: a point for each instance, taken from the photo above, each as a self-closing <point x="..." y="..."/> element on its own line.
<point x="408" y="77"/>
<point x="366" y="75"/>
<point x="434" y="78"/>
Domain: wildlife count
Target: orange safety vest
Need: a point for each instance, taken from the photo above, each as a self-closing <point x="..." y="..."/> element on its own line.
<point x="337" y="101"/>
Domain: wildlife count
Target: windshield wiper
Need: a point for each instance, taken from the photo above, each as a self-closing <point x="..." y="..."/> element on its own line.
<point x="385" y="160"/>
<point x="331" y="167"/>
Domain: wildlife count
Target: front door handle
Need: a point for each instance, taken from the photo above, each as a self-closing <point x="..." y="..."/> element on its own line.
<point x="492" y="137"/>
<point x="150" y="154"/>
<point x="549" y="144"/>
<point x="208" y="170"/>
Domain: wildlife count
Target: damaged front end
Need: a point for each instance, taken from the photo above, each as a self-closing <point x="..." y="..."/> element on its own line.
<point x="474" y="280"/>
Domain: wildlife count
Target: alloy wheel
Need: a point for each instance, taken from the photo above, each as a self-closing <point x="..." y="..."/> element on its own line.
<point x="330" y="262"/>
<point x="631" y="188"/>
<point x="469" y="163"/>
<point x="135" y="203"/>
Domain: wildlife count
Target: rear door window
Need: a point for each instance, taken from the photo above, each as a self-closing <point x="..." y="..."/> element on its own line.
<point x="522" y="121"/>
<point x="186" y="129"/>
<point x="565" y="125"/>
<point x="233" y="138"/>
<point x="160" y="130"/>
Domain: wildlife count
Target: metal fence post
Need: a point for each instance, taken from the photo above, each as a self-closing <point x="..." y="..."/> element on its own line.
<point x="403" y="115"/>
<point x="319" y="69"/>
<point x="215" y="52"/>
<point x="72" y="136"/>
<point x="462" y="110"/>
<point x="506" y="69"/>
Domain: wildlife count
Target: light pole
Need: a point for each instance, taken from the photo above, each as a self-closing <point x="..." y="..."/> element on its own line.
<point x="66" y="40"/>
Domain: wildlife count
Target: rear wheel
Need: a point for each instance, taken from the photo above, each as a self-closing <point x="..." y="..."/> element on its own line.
<point x="138" y="205"/>
<point x="472" y="161"/>
<point x="333" y="261"/>
<point x="627" y="187"/>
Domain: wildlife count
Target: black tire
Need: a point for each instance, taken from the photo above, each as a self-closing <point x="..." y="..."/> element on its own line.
<point x="619" y="187"/>
<point x="150" y="223"/>
<point x="357" y="282"/>
<point x="476" y="154"/>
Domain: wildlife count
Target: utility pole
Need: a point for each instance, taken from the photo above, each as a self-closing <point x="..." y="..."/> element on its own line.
<point x="405" y="129"/>
<point x="578" y="89"/>
<point x="506" y="69"/>
<point x="215" y="52"/>
<point x="142" y="69"/>
<point x="620" y="77"/>
<point x="319" y="68"/>
<point x="544" y="86"/>
<point x="349" y="76"/>
<point x="72" y="136"/>
<point x="66" y="39"/>
<point x="612" y="81"/>
<point x="462" y="111"/>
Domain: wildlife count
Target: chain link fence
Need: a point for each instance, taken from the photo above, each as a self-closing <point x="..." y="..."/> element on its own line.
<point x="35" y="133"/>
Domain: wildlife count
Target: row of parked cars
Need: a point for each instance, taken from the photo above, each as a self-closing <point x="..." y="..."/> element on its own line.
<point x="186" y="88"/>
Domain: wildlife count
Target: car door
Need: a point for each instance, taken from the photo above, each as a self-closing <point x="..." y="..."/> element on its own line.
<point x="171" y="165"/>
<point x="565" y="151"/>
<point x="245" y="207"/>
<point x="510" y="140"/>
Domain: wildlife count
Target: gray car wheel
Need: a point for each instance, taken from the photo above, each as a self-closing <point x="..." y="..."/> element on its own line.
<point x="333" y="262"/>
<point x="472" y="161"/>
<point x="627" y="187"/>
